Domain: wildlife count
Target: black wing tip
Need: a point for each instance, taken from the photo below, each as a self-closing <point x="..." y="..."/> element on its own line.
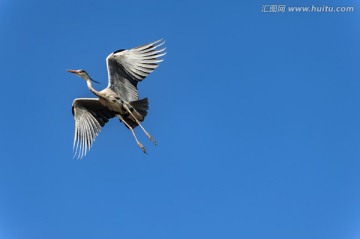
<point x="120" y="50"/>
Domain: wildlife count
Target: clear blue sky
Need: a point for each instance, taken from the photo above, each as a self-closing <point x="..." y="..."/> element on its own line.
<point x="256" y="115"/>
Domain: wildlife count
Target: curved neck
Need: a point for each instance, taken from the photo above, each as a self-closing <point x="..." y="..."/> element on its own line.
<point x="89" y="85"/>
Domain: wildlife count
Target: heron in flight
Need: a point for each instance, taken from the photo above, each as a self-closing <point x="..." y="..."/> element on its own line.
<point x="120" y="98"/>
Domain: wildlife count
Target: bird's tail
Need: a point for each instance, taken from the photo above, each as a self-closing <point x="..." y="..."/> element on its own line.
<point x="140" y="111"/>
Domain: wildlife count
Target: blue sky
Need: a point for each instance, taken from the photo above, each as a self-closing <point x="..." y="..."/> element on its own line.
<point x="256" y="116"/>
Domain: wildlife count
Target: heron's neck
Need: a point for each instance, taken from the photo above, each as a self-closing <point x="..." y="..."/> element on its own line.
<point x="89" y="84"/>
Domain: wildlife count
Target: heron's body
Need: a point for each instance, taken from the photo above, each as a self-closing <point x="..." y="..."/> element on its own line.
<point x="125" y="69"/>
<point x="112" y="101"/>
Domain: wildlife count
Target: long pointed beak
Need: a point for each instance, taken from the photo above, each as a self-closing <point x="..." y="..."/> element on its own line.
<point x="72" y="71"/>
<point x="86" y="76"/>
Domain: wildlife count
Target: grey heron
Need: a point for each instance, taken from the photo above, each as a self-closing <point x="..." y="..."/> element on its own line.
<point x="120" y="98"/>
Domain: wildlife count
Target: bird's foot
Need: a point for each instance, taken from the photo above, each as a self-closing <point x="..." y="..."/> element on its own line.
<point x="151" y="138"/>
<point x="142" y="147"/>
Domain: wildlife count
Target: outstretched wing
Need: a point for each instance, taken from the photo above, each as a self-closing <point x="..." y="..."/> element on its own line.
<point x="127" y="67"/>
<point x="90" y="115"/>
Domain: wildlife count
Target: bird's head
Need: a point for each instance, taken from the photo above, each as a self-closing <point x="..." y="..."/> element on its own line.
<point x="83" y="74"/>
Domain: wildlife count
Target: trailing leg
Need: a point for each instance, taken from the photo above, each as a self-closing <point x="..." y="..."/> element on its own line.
<point x="138" y="122"/>
<point x="132" y="131"/>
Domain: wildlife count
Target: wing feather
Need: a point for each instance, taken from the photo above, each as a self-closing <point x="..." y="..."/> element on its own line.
<point x="127" y="67"/>
<point x="90" y="115"/>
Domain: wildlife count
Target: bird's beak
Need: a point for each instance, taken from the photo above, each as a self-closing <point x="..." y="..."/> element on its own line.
<point x="73" y="71"/>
